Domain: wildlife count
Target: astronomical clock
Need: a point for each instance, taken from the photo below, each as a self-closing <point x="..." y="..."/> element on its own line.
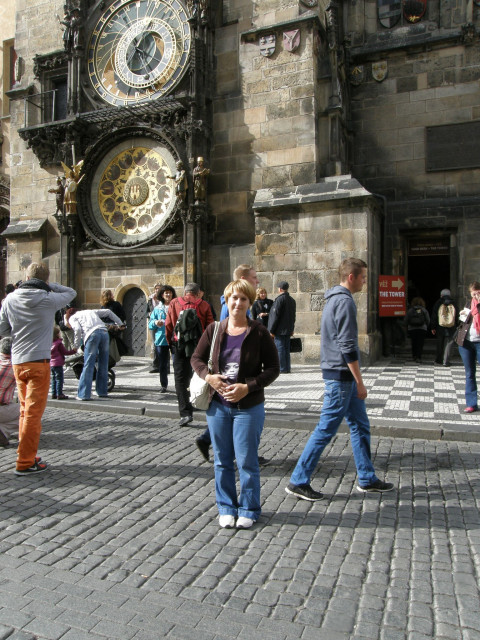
<point x="138" y="90"/>
<point x="138" y="50"/>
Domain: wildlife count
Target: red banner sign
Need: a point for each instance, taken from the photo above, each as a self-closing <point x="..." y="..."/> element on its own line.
<point x="392" y="300"/>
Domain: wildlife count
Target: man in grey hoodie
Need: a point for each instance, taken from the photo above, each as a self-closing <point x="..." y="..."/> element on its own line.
<point x="345" y="392"/>
<point x="28" y="315"/>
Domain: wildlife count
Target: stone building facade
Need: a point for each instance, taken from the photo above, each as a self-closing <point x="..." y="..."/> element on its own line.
<point x="328" y="129"/>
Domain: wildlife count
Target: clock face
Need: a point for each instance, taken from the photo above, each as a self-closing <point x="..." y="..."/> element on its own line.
<point x="138" y="50"/>
<point x="132" y="192"/>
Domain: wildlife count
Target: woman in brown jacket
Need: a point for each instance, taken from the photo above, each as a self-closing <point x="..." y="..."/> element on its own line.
<point x="245" y="360"/>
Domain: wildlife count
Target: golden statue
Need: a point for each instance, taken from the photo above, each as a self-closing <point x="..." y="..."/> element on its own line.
<point x="72" y="180"/>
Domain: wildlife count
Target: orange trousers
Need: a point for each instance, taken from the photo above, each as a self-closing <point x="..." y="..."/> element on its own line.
<point x="33" y="382"/>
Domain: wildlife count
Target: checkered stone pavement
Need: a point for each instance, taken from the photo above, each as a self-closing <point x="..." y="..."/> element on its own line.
<point x="395" y="392"/>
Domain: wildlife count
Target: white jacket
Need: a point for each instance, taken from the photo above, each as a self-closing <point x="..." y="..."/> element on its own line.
<point x="85" y="322"/>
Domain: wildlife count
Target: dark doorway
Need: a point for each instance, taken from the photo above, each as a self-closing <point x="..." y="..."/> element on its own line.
<point x="135" y="306"/>
<point x="427" y="276"/>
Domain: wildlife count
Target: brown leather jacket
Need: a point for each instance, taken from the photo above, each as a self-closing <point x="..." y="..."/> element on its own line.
<point x="259" y="364"/>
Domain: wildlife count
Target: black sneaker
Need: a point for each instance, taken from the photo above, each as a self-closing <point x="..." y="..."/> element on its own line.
<point x="203" y="447"/>
<point x="263" y="462"/>
<point x="378" y="486"/>
<point x="38" y="467"/>
<point x="304" y="492"/>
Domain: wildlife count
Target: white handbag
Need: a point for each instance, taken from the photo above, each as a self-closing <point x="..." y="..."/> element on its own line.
<point x="199" y="388"/>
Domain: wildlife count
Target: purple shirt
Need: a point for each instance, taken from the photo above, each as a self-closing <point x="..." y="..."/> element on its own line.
<point x="229" y="362"/>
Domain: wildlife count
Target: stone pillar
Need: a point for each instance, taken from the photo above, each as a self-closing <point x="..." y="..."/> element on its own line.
<point x="301" y="236"/>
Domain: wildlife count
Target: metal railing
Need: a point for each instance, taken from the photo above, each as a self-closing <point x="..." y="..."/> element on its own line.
<point x="43" y="108"/>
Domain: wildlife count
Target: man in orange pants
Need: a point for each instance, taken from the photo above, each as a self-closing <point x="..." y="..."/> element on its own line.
<point x="28" y="316"/>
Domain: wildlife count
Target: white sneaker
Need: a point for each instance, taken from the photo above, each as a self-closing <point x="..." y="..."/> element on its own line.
<point x="244" y="523"/>
<point x="226" y="522"/>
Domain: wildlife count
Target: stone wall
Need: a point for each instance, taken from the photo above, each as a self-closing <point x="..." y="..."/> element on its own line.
<point x="302" y="235"/>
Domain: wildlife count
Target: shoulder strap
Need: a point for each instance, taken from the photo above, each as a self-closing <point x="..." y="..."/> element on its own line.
<point x="212" y="345"/>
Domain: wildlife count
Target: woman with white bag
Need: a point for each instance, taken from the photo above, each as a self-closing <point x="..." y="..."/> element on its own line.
<point x="244" y="361"/>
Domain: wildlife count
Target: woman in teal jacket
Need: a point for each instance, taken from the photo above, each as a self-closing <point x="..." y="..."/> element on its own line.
<point x="157" y="325"/>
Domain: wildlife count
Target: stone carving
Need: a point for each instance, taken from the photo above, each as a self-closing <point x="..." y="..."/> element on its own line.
<point x="200" y="174"/>
<point x="469" y="34"/>
<point x="291" y="40"/>
<point x="18" y="70"/>
<point x="42" y="63"/>
<point x="59" y="192"/>
<point x="379" y="70"/>
<point x="181" y="184"/>
<point x="267" y="45"/>
<point x="73" y="26"/>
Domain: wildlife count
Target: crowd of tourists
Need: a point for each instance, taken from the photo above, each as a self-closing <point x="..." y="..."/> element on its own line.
<point x="229" y="362"/>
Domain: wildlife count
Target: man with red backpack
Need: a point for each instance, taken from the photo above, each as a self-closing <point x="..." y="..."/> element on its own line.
<point x="187" y="319"/>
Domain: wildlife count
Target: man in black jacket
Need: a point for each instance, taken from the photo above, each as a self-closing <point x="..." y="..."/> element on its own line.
<point x="444" y="312"/>
<point x="281" y="323"/>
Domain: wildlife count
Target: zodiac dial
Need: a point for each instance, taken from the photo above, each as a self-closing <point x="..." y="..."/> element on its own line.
<point x="138" y="50"/>
<point x="132" y="193"/>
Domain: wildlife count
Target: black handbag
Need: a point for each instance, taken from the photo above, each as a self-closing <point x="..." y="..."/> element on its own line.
<point x="462" y="330"/>
<point x="295" y="345"/>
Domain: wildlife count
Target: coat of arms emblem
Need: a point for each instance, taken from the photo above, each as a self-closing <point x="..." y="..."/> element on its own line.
<point x="267" y="45"/>
<point x="291" y="40"/>
<point x="379" y="70"/>
<point x="357" y="75"/>
<point x="389" y="12"/>
<point x="414" y="10"/>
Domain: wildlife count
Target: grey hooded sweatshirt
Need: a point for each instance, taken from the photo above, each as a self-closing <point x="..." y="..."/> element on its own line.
<point x="339" y="334"/>
<point x="28" y="315"/>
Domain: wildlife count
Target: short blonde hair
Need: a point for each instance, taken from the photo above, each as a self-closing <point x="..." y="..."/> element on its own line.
<point x="38" y="270"/>
<point x="261" y="290"/>
<point x="243" y="286"/>
<point x="242" y="271"/>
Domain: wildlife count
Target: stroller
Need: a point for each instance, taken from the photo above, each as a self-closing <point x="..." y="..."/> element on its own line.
<point x="117" y="349"/>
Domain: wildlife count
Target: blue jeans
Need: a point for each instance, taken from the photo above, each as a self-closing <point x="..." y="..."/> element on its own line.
<point x="340" y="401"/>
<point x="470" y="354"/>
<point x="98" y="344"/>
<point x="162" y="358"/>
<point x="283" y="347"/>
<point x="57" y="381"/>
<point x="236" y="435"/>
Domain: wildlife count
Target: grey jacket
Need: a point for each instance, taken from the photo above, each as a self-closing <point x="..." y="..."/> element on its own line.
<point x="339" y="334"/>
<point x="28" y="316"/>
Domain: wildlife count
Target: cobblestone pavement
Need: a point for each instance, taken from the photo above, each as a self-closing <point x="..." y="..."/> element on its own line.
<point x="120" y="540"/>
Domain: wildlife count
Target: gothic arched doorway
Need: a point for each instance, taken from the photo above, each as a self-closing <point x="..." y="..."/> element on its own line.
<point x="135" y="304"/>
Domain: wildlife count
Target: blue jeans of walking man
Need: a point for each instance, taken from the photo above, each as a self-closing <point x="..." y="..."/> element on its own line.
<point x="98" y="344"/>
<point x="470" y="354"/>
<point x="283" y="347"/>
<point x="340" y="401"/>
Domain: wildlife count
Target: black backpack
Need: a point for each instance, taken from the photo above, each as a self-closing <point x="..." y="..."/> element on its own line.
<point x="188" y="330"/>
<point x="416" y="317"/>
